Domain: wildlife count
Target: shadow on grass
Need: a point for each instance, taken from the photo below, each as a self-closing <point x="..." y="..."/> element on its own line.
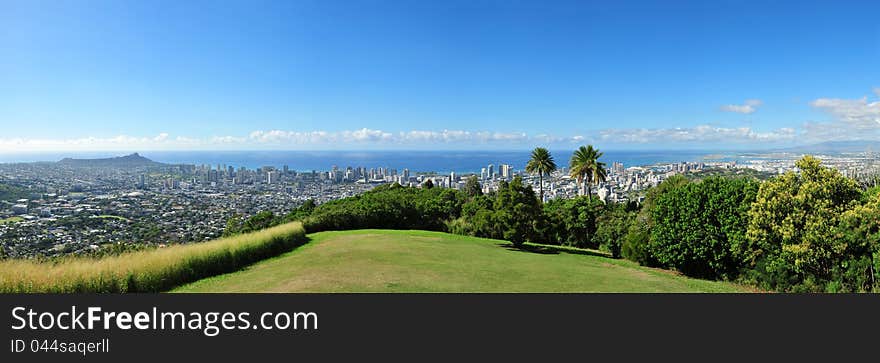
<point x="553" y="250"/>
<point x="241" y="265"/>
<point x="544" y="250"/>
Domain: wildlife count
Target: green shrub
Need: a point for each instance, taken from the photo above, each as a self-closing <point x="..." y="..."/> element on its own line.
<point x="517" y="211"/>
<point x="635" y="244"/>
<point x="612" y="227"/>
<point x="389" y="206"/>
<point x="698" y="226"/>
<point x="573" y="221"/>
<point x="795" y="238"/>
<point x="859" y="233"/>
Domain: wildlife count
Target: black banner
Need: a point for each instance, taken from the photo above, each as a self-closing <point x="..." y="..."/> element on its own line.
<point x="415" y="327"/>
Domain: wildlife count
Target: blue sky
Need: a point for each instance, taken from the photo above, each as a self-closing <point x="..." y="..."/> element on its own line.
<point x="158" y="75"/>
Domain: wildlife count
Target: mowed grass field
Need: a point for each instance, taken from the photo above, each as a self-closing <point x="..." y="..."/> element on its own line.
<point x="420" y="261"/>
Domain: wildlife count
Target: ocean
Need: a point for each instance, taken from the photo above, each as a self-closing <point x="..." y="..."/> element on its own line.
<point x="416" y="161"/>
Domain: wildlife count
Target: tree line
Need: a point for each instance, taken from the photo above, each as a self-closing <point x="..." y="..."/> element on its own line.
<point x="805" y="231"/>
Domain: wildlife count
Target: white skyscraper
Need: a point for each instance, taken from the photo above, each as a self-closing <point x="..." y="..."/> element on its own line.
<point x="506" y="171"/>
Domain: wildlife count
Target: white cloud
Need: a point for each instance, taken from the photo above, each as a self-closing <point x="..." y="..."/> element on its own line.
<point x="290" y="137"/>
<point x="370" y="136"/>
<point x="227" y="140"/>
<point x="858" y="114"/>
<point x="120" y="142"/>
<point x="367" y="135"/>
<point x="851" y="119"/>
<point x="748" y="107"/>
<point x="458" y="136"/>
<point x="292" y="140"/>
<point x="698" y="134"/>
<point x="280" y="139"/>
<point x="836" y="131"/>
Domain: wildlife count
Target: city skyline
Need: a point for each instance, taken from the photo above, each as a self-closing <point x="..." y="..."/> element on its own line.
<point x="126" y="76"/>
<point x="134" y="193"/>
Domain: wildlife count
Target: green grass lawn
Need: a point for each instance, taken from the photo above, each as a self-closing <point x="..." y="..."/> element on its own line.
<point x="108" y="216"/>
<point x="419" y="261"/>
<point x="11" y="220"/>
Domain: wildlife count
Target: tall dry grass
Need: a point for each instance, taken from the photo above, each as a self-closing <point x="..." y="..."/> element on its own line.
<point x="148" y="271"/>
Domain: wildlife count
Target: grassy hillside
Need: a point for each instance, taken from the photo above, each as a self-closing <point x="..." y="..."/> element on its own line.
<point x="151" y="270"/>
<point x="418" y="261"/>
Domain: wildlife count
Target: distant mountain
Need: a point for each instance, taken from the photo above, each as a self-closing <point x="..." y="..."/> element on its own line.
<point x="127" y="161"/>
<point x="853" y="146"/>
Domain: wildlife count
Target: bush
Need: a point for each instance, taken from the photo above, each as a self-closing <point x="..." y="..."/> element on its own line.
<point x="477" y="219"/>
<point x="636" y="245"/>
<point x="698" y="226"/>
<point x="512" y="213"/>
<point x="795" y="242"/>
<point x="612" y="227"/>
<point x="517" y="211"/>
<point x="573" y="221"/>
<point x="859" y="232"/>
<point x="389" y="206"/>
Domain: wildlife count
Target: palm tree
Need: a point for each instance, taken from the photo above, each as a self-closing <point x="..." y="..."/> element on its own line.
<point x="586" y="167"/>
<point x="541" y="163"/>
<point x="599" y="172"/>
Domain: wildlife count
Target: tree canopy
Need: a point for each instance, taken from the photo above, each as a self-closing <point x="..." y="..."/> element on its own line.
<point x="792" y="244"/>
<point x="541" y="162"/>
<point x="586" y="168"/>
<point x="698" y="226"/>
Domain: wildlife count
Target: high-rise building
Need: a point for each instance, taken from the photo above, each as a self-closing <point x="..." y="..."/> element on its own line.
<point x="506" y="171"/>
<point x="20" y="208"/>
<point x="490" y="171"/>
